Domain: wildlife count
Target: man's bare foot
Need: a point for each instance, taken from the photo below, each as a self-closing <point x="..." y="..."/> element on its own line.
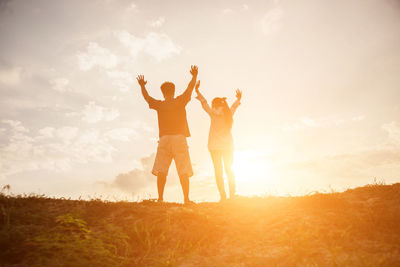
<point x="189" y="202"/>
<point x="160" y="200"/>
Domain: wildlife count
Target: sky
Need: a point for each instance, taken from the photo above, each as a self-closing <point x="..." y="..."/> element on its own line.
<point x="320" y="80"/>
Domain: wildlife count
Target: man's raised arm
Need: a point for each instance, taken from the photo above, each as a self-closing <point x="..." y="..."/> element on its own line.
<point x="142" y="83"/>
<point x="188" y="92"/>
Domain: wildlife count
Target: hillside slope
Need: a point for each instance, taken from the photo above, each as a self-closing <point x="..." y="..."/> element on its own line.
<point x="360" y="227"/>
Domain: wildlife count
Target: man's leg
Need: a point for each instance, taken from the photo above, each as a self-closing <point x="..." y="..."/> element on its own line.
<point x="217" y="162"/>
<point x="161" y="181"/>
<point x="182" y="163"/>
<point x="228" y="160"/>
<point x="184" y="179"/>
<point x="161" y="165"/>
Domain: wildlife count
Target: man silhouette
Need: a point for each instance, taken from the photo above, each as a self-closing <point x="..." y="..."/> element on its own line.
<point x="173" y="130"/>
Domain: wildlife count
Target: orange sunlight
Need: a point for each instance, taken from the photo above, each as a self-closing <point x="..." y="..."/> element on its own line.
<point x="252" y="172"/>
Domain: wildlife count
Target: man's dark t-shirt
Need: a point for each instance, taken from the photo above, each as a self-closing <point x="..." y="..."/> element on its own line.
<point x="172" y="115"/>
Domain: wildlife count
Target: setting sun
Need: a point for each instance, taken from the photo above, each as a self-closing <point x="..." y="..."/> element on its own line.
<point x="252" y="172"/>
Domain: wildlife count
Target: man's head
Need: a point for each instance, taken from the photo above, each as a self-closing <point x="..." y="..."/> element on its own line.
<point x="168" y="90"/>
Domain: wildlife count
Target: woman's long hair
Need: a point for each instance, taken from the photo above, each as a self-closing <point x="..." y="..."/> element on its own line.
<point x="227" y="113"/>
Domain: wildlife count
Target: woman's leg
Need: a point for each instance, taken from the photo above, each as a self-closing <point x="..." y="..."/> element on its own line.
<point x="216" y="157"/>
<point x="227" y="156"/>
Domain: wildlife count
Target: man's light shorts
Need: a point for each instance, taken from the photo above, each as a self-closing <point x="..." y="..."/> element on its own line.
<point x="172" y="147"/>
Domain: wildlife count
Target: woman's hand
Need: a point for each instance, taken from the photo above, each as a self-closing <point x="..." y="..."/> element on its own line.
<point x="198" y="91"/>
<point x="197" y="87"/>
<point x="238" y="94"/>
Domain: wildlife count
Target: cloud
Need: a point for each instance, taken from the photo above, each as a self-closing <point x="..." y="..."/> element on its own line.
<point x="271" y="22"/>
<point x="309" y="122"/>
<point x="157" y="45"/>
<point x="136" y="179"/>
<point x="121" y="134"/>
<point x="55" y="148"/>
<point x="393" y="130"/>
<point x="306" y="123"/>
<point x="158" y="22"/>
<point x="16" y="126"/>
<point x="67" y="133"/>
<point x="93" y="113"/>
<point x="358" y="118"/>
<point x="381" y="162"/>
<point x="10" y="76"/>
<point x="47" y="132"/>
<point x="121" y="79"/>
<point x="133" y="6"/>
<point x="143" y="126"/>
<point x="96" y="55"/>
<point x="59" y="84"/>
<point x="245" y="7"/>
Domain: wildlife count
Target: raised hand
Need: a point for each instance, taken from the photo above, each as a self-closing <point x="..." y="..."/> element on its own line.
<point x="197" y="86"/>
<point x="194" y="70"/>
<point x="141" y="81"/>
<point x="238" y="94"/>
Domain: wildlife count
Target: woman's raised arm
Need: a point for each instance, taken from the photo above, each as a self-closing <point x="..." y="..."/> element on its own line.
<point x="201" y="98"/>
<point x="236" y="104"/>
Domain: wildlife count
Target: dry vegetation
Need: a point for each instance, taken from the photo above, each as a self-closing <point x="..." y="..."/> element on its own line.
<point x="360" y="227"/>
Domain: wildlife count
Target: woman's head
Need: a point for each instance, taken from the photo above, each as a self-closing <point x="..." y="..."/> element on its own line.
<point x="219" y="103"/>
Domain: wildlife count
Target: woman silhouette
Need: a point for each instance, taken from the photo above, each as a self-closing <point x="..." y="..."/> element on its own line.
<point x="220" y="141"/>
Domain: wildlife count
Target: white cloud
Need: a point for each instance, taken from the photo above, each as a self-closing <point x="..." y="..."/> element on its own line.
<point x="158" y="22"/>
<point x="361" y="165"/>
<point x="272" y="21"/>
<point x="157" y="45"/>
<point x="393" y="130"/>
<point x="245" y="7"/>
<point x="143" y="126"/>
<point x="358" y="118"/>
<point x="309" y="122"/>
<point x="96" y="55"/>
<point x="10" y="76"/>
<point x="110" y="114"/>
<point x="306" y="123"/>
<point x="121" y="134"/>
<point x="93" y="113"/>
<point x="121" y="79"/>
<point x="52" y="149"/>
<point x="136" y="179"/>
<point x="160" y="46"/>
<point x="16" y="126"/>
<point x="67" y="133"/>
<point x="59" y="84"/>
<point x="47" y="132"/>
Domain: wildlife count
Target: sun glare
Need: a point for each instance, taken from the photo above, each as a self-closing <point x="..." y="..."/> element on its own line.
<point x="252" y="172"/>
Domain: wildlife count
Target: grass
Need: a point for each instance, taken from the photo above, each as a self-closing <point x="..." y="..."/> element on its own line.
<point x="359" y="227"/>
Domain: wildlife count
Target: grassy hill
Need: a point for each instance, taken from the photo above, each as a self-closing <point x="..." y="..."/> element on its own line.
<point x="360" y="227"/>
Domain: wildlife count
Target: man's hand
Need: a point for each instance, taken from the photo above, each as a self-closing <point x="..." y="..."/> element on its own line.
<point x="141" y="81"/>
<point x="194" y="70"/>
<point x="238" y="94"/>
